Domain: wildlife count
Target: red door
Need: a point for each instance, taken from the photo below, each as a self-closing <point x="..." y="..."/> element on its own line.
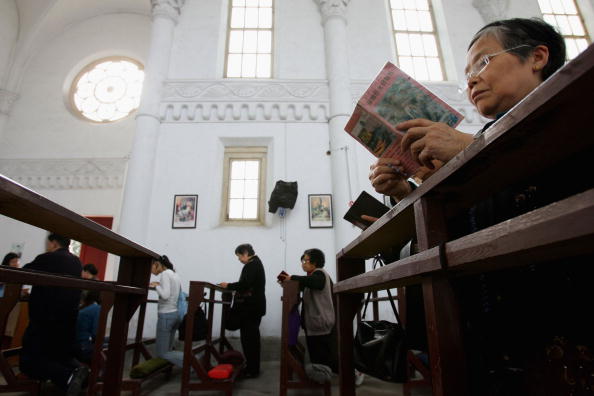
<point x="89" y="254"/>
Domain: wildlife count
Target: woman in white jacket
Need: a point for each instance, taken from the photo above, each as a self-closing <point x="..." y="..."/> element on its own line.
<point x="168" y="289"/>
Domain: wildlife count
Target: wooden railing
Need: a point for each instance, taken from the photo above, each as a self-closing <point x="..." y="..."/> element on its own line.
<point x="208" y="350"/>
<point x="292" y="370"/>
<point x="130" y="288"/>
<point x="548" y="137"/>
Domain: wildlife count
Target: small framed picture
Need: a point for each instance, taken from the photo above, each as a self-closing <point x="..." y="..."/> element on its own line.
<point x="184" y="211"/>
<point x="320" y="210"/>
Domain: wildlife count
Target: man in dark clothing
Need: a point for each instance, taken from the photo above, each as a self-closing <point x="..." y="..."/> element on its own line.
<point x="48" y="342"/>
<point x="250" y="289"/>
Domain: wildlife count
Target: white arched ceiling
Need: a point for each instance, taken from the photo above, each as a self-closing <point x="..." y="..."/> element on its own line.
<point x="9" y="31"/>
<point x="42" y="21"/>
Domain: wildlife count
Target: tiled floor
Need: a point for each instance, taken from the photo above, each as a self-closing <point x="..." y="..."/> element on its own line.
<point x="266" y="384"/>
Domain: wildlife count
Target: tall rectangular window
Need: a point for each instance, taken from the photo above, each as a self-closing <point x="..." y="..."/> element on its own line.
<point x="565" y="16"/>
<point x="415" y="35"/>
<point x="249" y="40"/>
<point x="244" y="184"/>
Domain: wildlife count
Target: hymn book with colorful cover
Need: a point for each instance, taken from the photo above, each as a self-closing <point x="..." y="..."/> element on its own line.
<point x="394" y="97"/>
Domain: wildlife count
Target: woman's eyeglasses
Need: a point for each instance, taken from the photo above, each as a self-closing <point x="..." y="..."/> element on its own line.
<point x="479" y="66"/>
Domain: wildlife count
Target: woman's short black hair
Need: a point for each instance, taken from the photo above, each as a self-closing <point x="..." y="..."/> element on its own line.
<point x="245" y="248"/>
<point x="532" y="32"/>
<point x="91" y="269"/>
<point x="61" y="240"/>
<point x="316" y="257"/>
<point x="8" y="257"/>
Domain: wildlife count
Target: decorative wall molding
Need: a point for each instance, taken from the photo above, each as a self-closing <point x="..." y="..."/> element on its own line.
<point x="167" y="8"/>
<point x="473" y="121"/>
<point x="491" y="10"/>
<point x="241" y="100"/>
<point x="333" y="8"/>
<point x="7" y="100"/>
<point x="66" y="174"/>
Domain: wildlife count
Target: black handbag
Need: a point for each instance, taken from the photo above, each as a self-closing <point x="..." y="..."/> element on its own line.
<point x="199" y="328"/>
<point x="235" y="313"/>
<point x="380" y="347"/>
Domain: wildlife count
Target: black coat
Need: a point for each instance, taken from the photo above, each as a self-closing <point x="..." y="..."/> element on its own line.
<point x="250" y="288"/>
<point x="53" y="310"/>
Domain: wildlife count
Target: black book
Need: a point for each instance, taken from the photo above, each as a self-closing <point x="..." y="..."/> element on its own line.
<point x="365" y="205"/>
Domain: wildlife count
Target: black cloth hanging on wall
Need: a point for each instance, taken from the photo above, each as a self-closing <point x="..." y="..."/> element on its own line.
<point x="284" y="195"/>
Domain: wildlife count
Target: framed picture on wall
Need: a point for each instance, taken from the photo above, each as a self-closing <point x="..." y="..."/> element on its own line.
<point x="184" y="211"/>
<point x="320" y="210"/>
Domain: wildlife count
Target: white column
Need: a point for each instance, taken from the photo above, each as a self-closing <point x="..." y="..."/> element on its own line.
<point x="139" y="178"/>
<point x="7" y="99"/>
<point x="341" y="145"/>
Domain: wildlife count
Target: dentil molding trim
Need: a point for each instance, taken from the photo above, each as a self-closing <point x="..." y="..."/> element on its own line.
<point x="66" y="174"/>
<point x="241" y="100"/>
<point x="275" y="101"/>
<point x="7" y="99"/>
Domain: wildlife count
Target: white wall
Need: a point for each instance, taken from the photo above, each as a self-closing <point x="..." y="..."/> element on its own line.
<point x="9" y="29"/>
<point x="190" y="161"/>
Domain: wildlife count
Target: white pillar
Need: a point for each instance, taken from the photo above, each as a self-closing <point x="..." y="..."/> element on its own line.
<point x="7" y="99"/>
<point x="341" y="145"/>
<point x="139" y="177"/>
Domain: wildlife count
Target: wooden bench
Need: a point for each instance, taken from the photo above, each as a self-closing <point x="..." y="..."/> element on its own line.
<point x="292" y="372"/>
<point x="130" y="289"/>
<point x="138" y="346"/>
<point x="14" y="383"/>
<point x="202" y="365"/>
<point x="549" y="136"/>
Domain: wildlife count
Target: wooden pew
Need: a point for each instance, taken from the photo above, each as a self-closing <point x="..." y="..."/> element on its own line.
<point x="138" y="346"/>
<point x="548" y="136"/>
<point x="12" y="294"/>
<point x="201" y="366"/>
<point x="292" y="373"/>
<point x="130" y="289"/>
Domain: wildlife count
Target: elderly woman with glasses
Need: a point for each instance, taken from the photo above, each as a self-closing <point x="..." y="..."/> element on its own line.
<point x="506" y="60"/>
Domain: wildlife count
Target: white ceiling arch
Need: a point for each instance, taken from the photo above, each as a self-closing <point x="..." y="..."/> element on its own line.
<point x="42" y="21"/>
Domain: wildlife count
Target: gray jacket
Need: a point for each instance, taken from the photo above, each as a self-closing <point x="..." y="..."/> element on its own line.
<point x="318" y="309"/>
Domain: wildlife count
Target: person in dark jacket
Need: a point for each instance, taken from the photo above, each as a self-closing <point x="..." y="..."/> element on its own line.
<point x="49" y="340"/>
<point x="250" y="289"/>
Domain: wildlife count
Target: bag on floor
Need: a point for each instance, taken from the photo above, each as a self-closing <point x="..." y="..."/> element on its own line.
<point x="380" y="348"/>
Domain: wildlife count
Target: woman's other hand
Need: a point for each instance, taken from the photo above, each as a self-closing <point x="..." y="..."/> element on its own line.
<point x="387" y="177"/>
<point x="429" y="141"/>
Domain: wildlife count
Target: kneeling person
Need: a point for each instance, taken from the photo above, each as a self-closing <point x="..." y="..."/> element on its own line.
<point x="317" y="312"/>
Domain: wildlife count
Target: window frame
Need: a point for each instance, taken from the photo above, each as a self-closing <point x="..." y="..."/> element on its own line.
<point x="90" y="66"/>
<point x="435" y="33"/>
<point x="586" y="35"/>
<point x="245" y="153"/>
<point x="228" y="39"/>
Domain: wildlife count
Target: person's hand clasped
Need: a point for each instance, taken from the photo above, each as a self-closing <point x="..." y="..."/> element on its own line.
<point x="428" y="141"/>
<point x="224" y="284"/>
<point x="284" y="277"/>
<point x="387" y="177"/>
<point x="153" y="284"/>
